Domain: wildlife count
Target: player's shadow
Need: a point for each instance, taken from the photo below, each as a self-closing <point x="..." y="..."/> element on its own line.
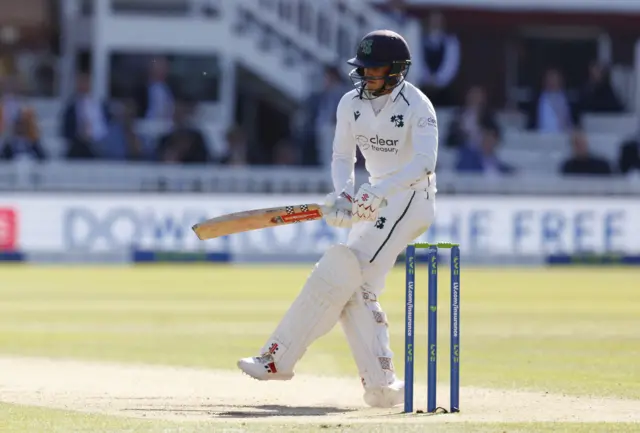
<point x="247" y="411"/>
<point x="274" y="410"/>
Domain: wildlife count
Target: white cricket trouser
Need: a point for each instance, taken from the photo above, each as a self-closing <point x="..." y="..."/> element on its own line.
<point x="377" y="245"/>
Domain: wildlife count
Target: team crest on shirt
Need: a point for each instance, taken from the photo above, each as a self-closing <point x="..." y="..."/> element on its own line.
<point x="380" y="223"/>
<point x="398" y="120"/>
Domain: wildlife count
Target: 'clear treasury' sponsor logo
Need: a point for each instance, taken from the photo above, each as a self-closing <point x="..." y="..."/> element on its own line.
<point x="377" y="143"/>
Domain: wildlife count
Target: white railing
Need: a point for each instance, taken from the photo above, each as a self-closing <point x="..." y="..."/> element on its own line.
<point x="137" y="177"/>
<point x="608" y="6"/>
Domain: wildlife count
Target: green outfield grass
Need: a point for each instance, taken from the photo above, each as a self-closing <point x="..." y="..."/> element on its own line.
<point x="563" y="331"/>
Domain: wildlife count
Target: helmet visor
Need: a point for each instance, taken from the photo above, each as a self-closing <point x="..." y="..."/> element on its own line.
<point x="360" y="63"/>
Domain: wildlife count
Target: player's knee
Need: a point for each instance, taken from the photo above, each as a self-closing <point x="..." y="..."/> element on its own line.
<point x="340" y="269"/>
<point x="361" y="253"/>
<point x="372" y="274"/>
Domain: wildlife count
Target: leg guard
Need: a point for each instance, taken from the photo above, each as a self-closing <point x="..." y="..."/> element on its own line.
<point x="314" y="313"/>
<point x="366" y="328"/>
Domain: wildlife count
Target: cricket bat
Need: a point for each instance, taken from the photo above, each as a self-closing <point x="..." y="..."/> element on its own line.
<point x="257" y="219"/>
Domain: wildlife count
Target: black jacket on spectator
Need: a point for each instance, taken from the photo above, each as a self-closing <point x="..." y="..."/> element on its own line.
<point x="77" y="147"/>
<point x="599" y="97"/>
<point x="70" y="122"/>
<point x="196" y="151"/>
<point x="10" y="149"/>
<point x="590" y="165"/>
<point x="629" y="156"/>
<point x="456" y="136"/>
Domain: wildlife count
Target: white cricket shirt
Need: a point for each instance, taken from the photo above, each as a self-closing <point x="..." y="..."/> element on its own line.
<point x="399" y="144"/>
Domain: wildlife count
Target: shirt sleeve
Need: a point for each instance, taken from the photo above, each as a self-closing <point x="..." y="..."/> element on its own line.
<point x="424" y="137"/>
<point x="344" y="150"/>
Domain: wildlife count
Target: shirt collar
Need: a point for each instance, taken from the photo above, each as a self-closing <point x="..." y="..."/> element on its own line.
<point x="397" y="91"/>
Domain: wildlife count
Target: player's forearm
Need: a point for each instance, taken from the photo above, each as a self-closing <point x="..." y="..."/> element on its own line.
<point x="416" y="171"/>
<point x="342" y="174"/>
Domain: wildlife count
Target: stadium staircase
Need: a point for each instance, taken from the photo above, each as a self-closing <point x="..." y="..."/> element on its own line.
<point x="301" y="35"/>
<point x="261" y="35"/>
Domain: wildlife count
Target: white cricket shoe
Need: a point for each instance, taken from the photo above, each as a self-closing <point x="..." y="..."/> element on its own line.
<point x="263" y="368"/>
<point x="385" y="397"/>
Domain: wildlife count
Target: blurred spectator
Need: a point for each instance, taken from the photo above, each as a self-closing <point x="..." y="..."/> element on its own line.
<point x="155" y="99"/>
<point x="24" y="140"/>
<point x="9" y="104"/>
<point x="441" y="53"/>
<point x="582" y="161"/>
<point x="185" y="143"/>
<point x="629" y="159"/>
<point x="483" y="159"/>
<point x="552" y="112"/>
<point x="319" y="119"/>
<point x="237" y="147"/>
<point x="466" y="125"/>
<point x="284" y="153"/>
<point x="598" y="95"/>
<point x="122" y="142"/>
<point x="85" y="121"/>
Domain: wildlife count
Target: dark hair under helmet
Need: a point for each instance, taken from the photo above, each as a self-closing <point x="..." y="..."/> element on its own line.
<point x="380" y="48"/>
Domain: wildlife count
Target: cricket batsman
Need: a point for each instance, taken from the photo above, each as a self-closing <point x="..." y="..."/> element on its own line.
<point x="394" y="125"/>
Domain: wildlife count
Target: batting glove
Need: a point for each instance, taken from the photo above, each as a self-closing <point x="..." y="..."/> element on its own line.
<point x="338" y="212"/>
<point x="367" y="203"/>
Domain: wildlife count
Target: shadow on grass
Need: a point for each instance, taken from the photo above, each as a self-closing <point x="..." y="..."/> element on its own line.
<point x="247" y="411"/>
